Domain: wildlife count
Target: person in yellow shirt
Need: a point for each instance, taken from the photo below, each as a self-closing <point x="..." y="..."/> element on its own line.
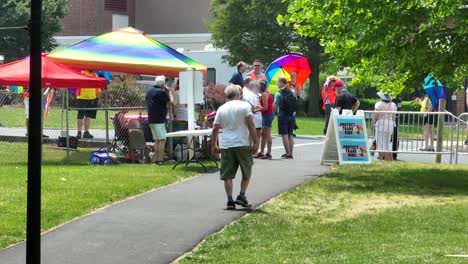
<point x="86" y="98"/>
<point x="428" y="121"/>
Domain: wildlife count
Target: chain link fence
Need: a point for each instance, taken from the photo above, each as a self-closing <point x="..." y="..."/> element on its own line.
<point x="121" y="104"/>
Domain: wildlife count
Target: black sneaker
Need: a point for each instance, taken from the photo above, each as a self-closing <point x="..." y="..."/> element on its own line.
<point x="289" y="157"/>
<point x="160" y="163"/>
<point x="78" y="135"/>
<point x="231" y="205"/>
<point x="242" y="201"/>
<point x="284" y="155"/>
<point x="86" y="134"/>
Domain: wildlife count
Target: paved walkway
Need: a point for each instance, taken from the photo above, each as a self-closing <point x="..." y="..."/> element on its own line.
<point x="162" y="225"/>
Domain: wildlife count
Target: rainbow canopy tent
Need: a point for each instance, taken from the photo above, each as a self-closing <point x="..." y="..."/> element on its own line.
<point x="54" y="75"/>
<point x="126" y="50"/>
<point x="285" y="66"/>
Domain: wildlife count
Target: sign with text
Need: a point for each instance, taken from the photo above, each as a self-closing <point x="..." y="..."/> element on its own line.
<point x="346" y="141"/>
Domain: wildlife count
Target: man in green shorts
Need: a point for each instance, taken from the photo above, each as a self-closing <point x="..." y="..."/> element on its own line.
<point x="236" y="118"/>
<point x="158" y="99"/>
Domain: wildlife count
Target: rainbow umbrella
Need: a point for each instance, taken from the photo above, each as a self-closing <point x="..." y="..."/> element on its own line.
<point x="284" y="67"/>
<point x="126" y="50"/>
<point x="435" y="90"/>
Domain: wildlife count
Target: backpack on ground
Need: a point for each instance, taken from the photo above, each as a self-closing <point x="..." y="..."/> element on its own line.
<point x="288" y="102"/>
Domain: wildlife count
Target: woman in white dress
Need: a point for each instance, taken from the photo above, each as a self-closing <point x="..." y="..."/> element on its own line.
<point x="383" y="124"/>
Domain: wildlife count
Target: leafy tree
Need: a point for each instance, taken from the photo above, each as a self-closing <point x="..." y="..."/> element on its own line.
<point x="14" y="44"/>
<point x="390" y="44"/>
<point x="248" y="29"/>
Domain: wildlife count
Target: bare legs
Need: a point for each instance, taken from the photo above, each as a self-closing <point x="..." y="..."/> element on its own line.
<point x="228" y="187"/>
<point x="159" y="146"/>
<point x="291" y="144"/>
<point x="266" y="140"/>
<point x="288" y="143"/>
<point x="85" y="122"/>
<point x="259" y="136"/>
<point x="429" y="136"/>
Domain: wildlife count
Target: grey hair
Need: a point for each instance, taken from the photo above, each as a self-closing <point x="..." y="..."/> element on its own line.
<point x="160" y="81"/>
<point x="255" y="84"/>
<point x="232" y="91"/>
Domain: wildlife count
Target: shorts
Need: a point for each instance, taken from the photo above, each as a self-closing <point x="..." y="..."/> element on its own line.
<point x="286" y="125"/>
<point x="232" y="159"/>
<point x="83" y="103"/>
<point x="267" y="120"/>
<point x="158" y="131"/>
<point x="429" y="119"/>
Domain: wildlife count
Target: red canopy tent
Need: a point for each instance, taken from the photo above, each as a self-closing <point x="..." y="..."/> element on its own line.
<point x="54" y="75"/>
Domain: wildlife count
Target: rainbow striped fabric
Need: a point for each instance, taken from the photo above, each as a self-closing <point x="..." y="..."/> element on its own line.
<point x="126" y="50"/>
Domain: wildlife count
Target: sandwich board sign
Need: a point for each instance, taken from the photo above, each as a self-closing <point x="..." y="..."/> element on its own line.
<point x="346" y="141"/>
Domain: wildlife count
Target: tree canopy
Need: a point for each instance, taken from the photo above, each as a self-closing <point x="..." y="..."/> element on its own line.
<point x="249" y="30"/>
<point x="389" y="44"/>
<point x="14" y="44"/>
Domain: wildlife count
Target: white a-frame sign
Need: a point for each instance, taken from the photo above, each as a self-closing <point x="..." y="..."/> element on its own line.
<point x="346" y="140"/>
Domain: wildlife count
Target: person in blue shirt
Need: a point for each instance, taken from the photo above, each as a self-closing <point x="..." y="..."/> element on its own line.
<point x="157" y="99"/>
<point x="238" y="78"/>
<point x="286" y="117"/>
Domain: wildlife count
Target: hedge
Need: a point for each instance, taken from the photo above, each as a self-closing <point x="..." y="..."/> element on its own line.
<point x="368" y="104"/>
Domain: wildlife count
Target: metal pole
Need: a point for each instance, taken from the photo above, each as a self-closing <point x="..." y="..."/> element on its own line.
<point x="67" y="118"/>
<point x="33" y="217"/>
<point x="107" y="121"/>
<point x="440" y="130"/>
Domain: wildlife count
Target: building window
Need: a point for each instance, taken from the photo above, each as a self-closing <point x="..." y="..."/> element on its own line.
<point x="116" y="5"/>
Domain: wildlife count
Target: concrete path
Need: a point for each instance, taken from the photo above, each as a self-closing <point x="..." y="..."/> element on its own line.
<point x="162" y="225"/>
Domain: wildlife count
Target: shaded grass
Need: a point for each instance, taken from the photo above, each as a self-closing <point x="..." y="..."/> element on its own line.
<point x="383" y="213"/>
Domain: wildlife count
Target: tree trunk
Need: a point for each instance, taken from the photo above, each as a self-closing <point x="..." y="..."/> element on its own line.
<point x="314" y="98"/>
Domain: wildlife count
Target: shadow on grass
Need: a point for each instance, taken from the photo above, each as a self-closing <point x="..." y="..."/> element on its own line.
<point x="419" y="180"/>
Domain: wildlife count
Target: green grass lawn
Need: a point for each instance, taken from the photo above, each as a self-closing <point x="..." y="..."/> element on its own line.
<point x="70" y="191"/>
<point x="383" y="213"/>
<point x="307" y="126"/>
<point x="13" y="116"/>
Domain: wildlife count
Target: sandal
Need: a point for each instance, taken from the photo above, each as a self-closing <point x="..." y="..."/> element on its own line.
<point x="258" y="155"/>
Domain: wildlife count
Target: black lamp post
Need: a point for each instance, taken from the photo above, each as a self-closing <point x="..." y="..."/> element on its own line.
<point x="33" y="226"/>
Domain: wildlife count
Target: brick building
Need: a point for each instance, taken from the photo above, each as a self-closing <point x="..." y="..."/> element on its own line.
<point x="152" y="16"/>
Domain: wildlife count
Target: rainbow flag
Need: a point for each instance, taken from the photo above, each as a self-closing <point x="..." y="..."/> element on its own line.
<point x="126" y="50"/>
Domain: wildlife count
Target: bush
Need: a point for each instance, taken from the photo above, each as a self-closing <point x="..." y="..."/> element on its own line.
<point x="368" y="104"/>
<point x="125" y="93"/>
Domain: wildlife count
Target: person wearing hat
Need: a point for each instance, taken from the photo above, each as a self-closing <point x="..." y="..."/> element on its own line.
<point x="344" y="99"/>
<point x="158" y="99"/>
<point x="383" y="124"/>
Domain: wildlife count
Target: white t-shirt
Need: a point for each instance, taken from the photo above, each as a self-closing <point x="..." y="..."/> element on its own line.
<point x="253" y="99"/>
<point x="231" y="116"/>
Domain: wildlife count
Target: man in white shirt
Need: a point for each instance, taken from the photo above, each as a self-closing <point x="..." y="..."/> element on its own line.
<point x="250" y="95"/>
<point x="236" y="119"/>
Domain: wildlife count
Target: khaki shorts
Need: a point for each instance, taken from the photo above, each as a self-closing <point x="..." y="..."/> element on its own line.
<point x="232" y="159"/>
<point x="158" y="131"/>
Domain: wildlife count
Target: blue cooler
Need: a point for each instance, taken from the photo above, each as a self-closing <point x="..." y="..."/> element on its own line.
<point x="101" y="157"/>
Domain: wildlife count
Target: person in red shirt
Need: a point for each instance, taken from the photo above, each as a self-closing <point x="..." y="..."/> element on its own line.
<point x="328" y="98"/>
<point x="268" y="115"/>
<point x="257" y="73"/>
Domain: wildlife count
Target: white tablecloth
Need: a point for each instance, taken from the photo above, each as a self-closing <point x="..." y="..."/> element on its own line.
<point x="190" y="133"/>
